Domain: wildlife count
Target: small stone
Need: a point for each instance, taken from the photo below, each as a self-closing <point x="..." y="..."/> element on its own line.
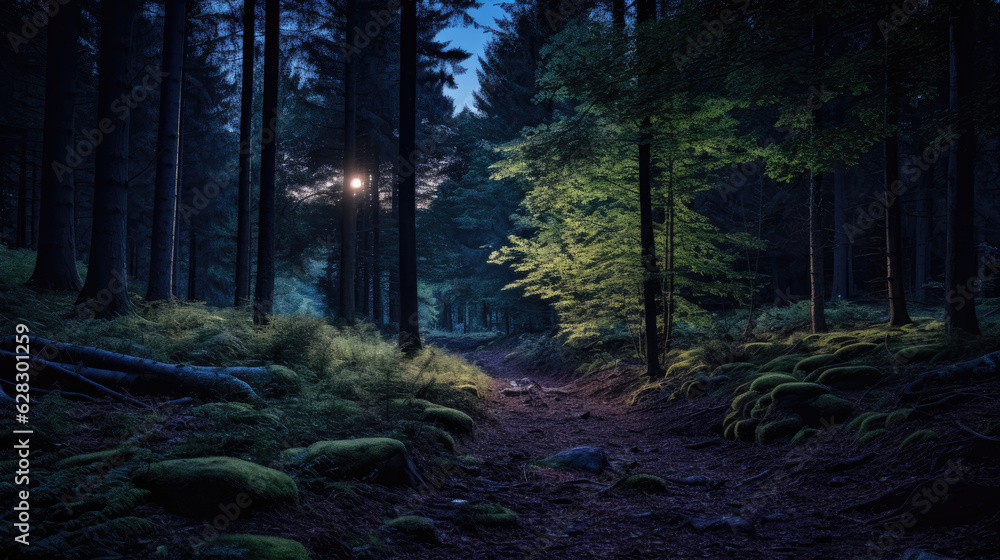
<point x="589" y="459"/>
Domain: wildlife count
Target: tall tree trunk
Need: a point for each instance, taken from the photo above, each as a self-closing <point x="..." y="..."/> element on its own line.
<point x="924" y="229"/>
<point x="55" y="264"/>
<point x="22" y="199"/>
<point x="670" y="275"/>
<point x="961" y="272"/>
<point x="105" y="292"/>
<point x="409" y="318"/>
<point x="378" y="315"/>
<point x="36" y="204"/>
<point x="817" y="287"/>
<point x="264" y="289"/>
<point x="618" y="14"/>
<point x="192" y="285"/>
<point x="161" y="257"/>
<point x="394" y="269"/>
<point x="348" y="223"/>
<point x="244" y="235"/>
<point x="893" y="214"/>
<point x="646" y="11"/>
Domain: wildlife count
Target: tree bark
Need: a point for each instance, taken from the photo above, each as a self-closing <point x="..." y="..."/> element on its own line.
<point x="893" y="215"/>
<point x="348" y="223"/>
<point x="409" y="317"/>
<point x="840" y="287"/>
<point x="378" y="314"/>
<point x="22" y="200"/>
<point x="925" y="226"/>
<point x="55" y="264"/>
<point x="105" y="292"/>
<point x="670" y="277"/>
<point x="244" y="235"/>
<point x="263" y="306"/>
<point x="646" y="11"/>
<point x="961" y="274"/>
<point x="161" y="258"/>
<point x="816" y="280"/>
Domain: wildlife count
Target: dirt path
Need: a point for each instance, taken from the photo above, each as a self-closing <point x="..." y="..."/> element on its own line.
<point x="755" y="503"/>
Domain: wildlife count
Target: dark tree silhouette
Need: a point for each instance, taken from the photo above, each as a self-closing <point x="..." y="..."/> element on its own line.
<point x="243" y="233"/>
<point x="409" y="319"/>
<point x="348" y="222"/>
<point x="161" y="259"/>
<point x="55" y="265"/>
<point x="105" y="292"/>
<point x="264" y="289"/>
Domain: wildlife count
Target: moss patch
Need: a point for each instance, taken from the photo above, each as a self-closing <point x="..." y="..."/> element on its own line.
<point x="640" y="483"/>
<point x="810" y="364"/>
<point x="772" y="431"/>
<point x="789" y="395"/>
<point x="827" y="409"/>
<point x="898" y="418"/>
<point x="381" y="460"/>
<point x="490" y="514"/>
<point x="785" y="364"/>
<point x="767" y="382"/>
<point x="803" y="435"/>
<point x="733" y="367"/>
<point x="257" y="547"/>
<point x="413" y="525"/>
<point x="450" y="419"/>
<point x="197" y="486"/>
<point x="853" y="351"/>
<point x="851" y="377"/>
<point x="918" y="437"/>
<point x="112" y="457"/>
<point x="919" y="354"/>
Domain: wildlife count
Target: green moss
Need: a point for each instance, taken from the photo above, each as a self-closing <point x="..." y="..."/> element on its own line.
<point x="790" y="395"/>
<point x="112" y="457"/>
<point x="194" y="486"/>
<point x="745" y="401"/>
<point x="898" y="418"/>
<point x="803" y="435"/>
<point x="640" y="483"/>
<point x="767" y="382"/>
<point x="872" y="422"/>
<point x="918" y="437"/>
<point x="851" y="377"/>
<point x="810" y="364"/>
<point x="772" y="431"/>
<point x="490" y="515"/>
<point x="869" y="436"/>
<point x="414" y="525"/>
<point x="729" y="432"/>
<point x="853" y="351"/>
<point x="785" y="364"/>
<point x="258" y="547"/>
<point x="450" y="419"/>
<point x="919" y="354"/>
<point x="855" y="424"/>
<point x="286" y="379"/>
<point x="733" y="367"/>
<point x="745" y="430"/>
<point x="827" y="409"/>
<point x="122" y="530"/>
<point x="355" y="458"/>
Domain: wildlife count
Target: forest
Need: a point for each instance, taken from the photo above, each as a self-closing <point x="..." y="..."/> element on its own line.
<point x="482" y="279"/>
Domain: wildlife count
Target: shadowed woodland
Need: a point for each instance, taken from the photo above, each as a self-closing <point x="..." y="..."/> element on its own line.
<point x="707" y="279"/>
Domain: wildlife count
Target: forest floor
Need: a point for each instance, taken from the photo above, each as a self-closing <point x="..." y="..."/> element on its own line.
<point x="753" y="501"/>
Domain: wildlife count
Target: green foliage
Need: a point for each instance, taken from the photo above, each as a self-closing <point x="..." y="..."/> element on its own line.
<point x="258" y="547"/>
<point x="918" y="437"/>
<point x="645" y="483"/>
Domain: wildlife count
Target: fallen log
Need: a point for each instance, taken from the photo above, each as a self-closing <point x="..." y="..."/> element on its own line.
<point x="61" y="352"/>
<point x="157" y="381"/>
<point x="985" y="366"/>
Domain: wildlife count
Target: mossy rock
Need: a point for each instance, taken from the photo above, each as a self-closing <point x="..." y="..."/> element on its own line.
<point x="259" y="547"/>
<point x="918" y="437"/>
<point x="746" y="430"/>
<point x="234" y="412"/>
<point x="381" y="460"/>
<point x="827" y="409"/>
<point x="898" y="418"/>
<point x="743" y="402"/>
<point x="490" y="515"/>
<point x="729" y="432"/>
<point x="445" y="440"/>
<point x="416" y="526"/>
<point x="872" y="422"/>
<point x="731" y="418"/>
<point x="285" y="379"/>
<point x="455" y="421"/>
<point x="197" y="486"/>
<point x="646" y="483"/>
<point x="767" y="382"/>
<point x="852" y="351"/>
<point x="110" y="457"/>
<point x="803" y="435"/>
<point x="919" y="354"/>
<point x="812" y="363"/>
<point x="757" y="348"/>
<point x="773" y="431"/>
<point x="783" y="364"/>
<point x="869" y="436"/>
<point x="787" y="396"/>
<point x="855" y="424"/>
<point x="851" y="377"/>
<point x="842" y="340"/>
<point x="733" y="367"/>
<point x="685" y="366"/>
<point x="469" y="389"/>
